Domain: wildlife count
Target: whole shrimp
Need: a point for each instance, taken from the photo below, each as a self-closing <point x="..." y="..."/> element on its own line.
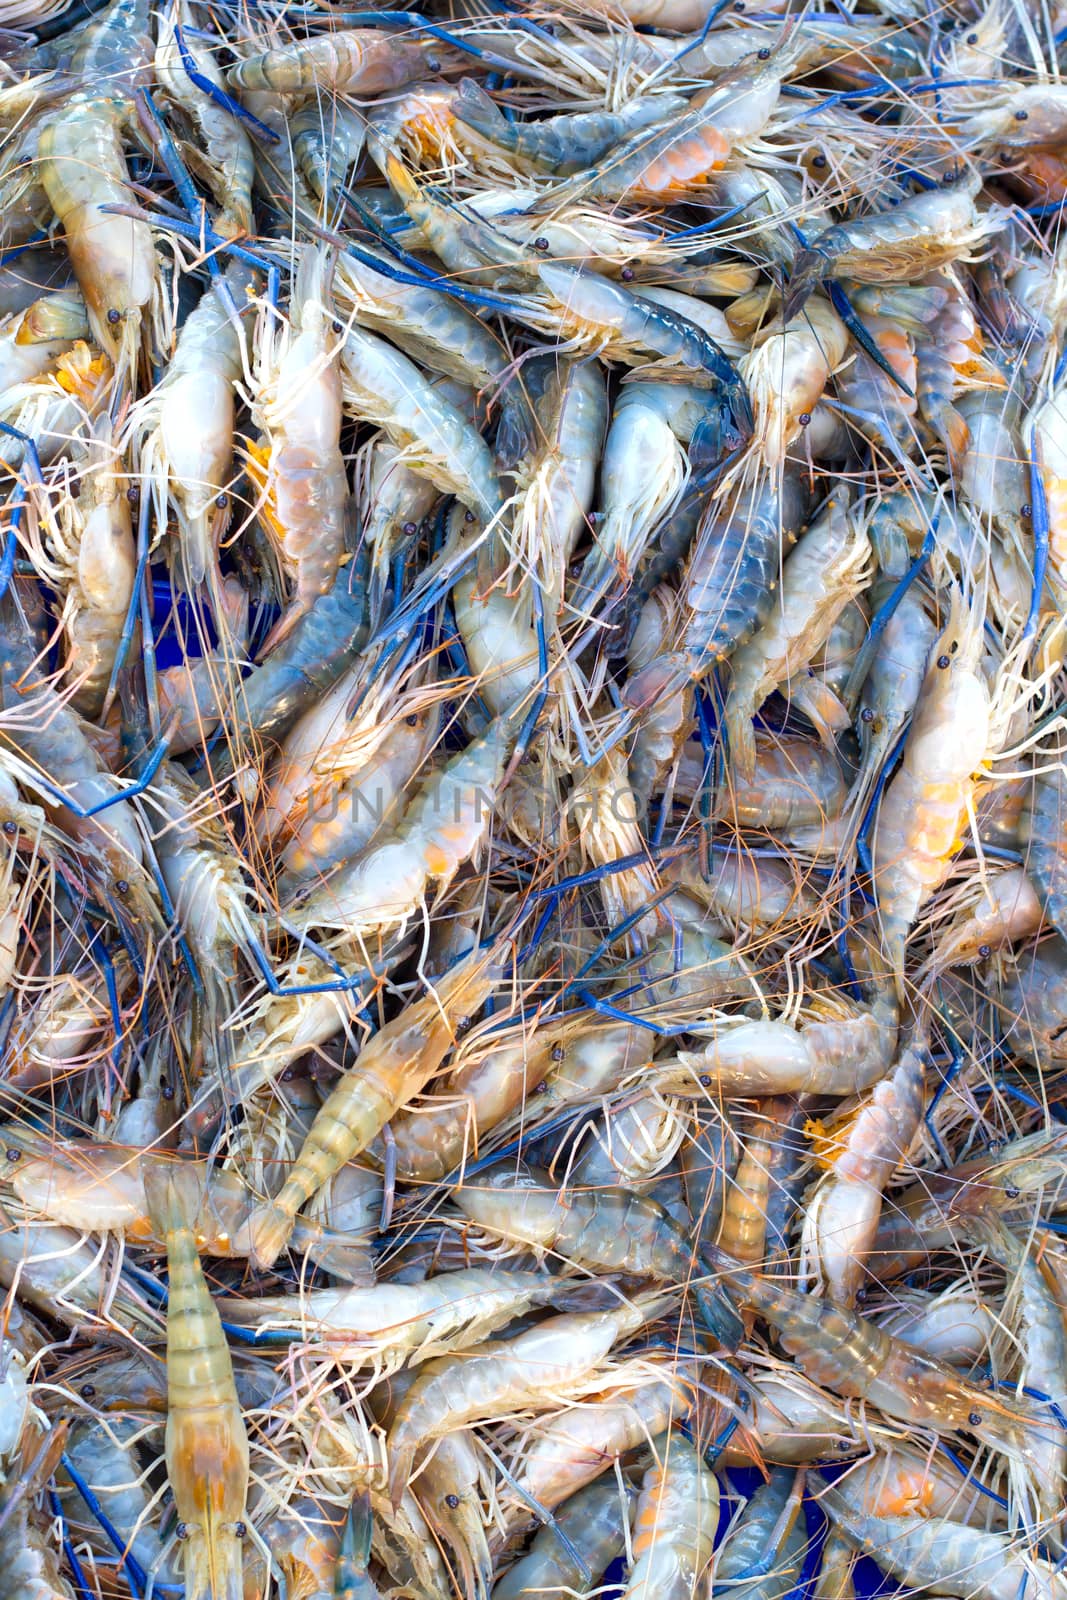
<point x="392" y="1067"/>
<point x="926" y="804"/>
<point x="561" y="1355"/>
<point x="206" y="1443"/>
<point x="298" y="463"/>
<point x="83" y="171"/>
<point x="595" y="1522"/>
<point x="359" y="61"/>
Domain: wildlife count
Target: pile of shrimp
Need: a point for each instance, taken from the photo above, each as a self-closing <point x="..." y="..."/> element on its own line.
<point x="533" y="800"/>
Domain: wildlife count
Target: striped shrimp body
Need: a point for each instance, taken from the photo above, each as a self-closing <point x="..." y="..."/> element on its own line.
<point x="206" y="1443"/>
<point x="675" y="1523"/>
<point x="851" y="1356"/>
<point x="566" y="144"/>
<point x="949" y="361"/>
<point x="842" y="1219"/>
<point x="556" y="1357"/>
<point x="299" y="465"/>
<point x="926" y="805"/>
<point x="395" y="1065"/>
<point x="359" y="61"/>
<point x="762" y="1556"/>
<point x="827" y="569"/>
<point x="83" y="170"/>
<point x="1041" y="831"/>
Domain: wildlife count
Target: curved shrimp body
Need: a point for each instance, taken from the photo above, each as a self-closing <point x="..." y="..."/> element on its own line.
<point x="562" y="144"/>
<point x="993" y="476"/>
<point x="393" y="1066"/>
<point x="224" y="150"/>
<point x="305" y="484"/>
<point x="795" y="784"/>
<point x="826" y="570"/>
<point x="595" y="1521"/>
<point x="787" y="372"/>
<point x="202" y="874"/>
<point x="839" y="1057"/>
<point x="922" y="233"/>
<point x="328" y="141"/>
<point x="665" y="164"/>
<point x="206" y="1443"/>
<point x="945" y="1557"/>
<point x="675" y="1523"/>
<point x="189" y="423"/>
<point x="575" y="1447"/>
<point x="392" y="502"/>
<point x="842" y="1219"/>
<point x="558" y="1356"/>
<point x="1042" y="834"/>
<point x="926" y="805"/>
<point x="443" y="826"/>
<point x="852" y="1356"/>
<point x="434" y="438"/>
<point x="83" y="170"/>
<point x="892" y="686"/>
<point x="358" y="61"/>
<point x="884" y="413"/>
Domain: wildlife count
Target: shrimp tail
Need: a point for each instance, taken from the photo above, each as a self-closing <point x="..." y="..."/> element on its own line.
<point x="174" y="1195"/>
<point x="354" y="1554"/>
<point x="719" y="1315"/>
<point x="269" y="1228"/>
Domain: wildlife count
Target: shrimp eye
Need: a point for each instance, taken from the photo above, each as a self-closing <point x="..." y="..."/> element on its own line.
<point x="972" y="38"/>
<point x="1027" y="510"/>
<point x="739" y="5"/>
<point x="804" y="418"/>
<point x="763" y="55"/>
<point x="133" y="494"/>
<point x="240" y="1530"/>
<point x="13" y="1154"/>
<point x="541" y="1088"/>
<point x="541" y="243"/>
<point x="1022" y="116"/>
<point x="984" y="950"/>
<point x="953" y="647"/>
<point x="558" y="1052"/>
<point x="463" y="1025"/>
<point x="974" y="1418"/>
<point x="705" y="1080"/>
<point x="10" y="828"/>
<point x="866" y="715"/>
<point x="220" y="501"/>
<point x="844" y="1444"/>
<point x="818" y="162"/>
<point x="87" y="1391"/>
<point x="413" y="720"/>
<point x="410" y="529"/>
<point x="1011" y="1192"/>
<point x="75" y="490"/>
<point x="182" y="1531"/>
<point x="114" y="316"/>
<point x="167" y="1091"/>
<point x="433" y="63"/>
<point x="288" y="1075"/>
<point x="122" y="887"/>
<point x="943" y="661"/>
<point x="627" y="274"/>
<point x="468" y="516"/>
<point x="452" y="1501"/>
